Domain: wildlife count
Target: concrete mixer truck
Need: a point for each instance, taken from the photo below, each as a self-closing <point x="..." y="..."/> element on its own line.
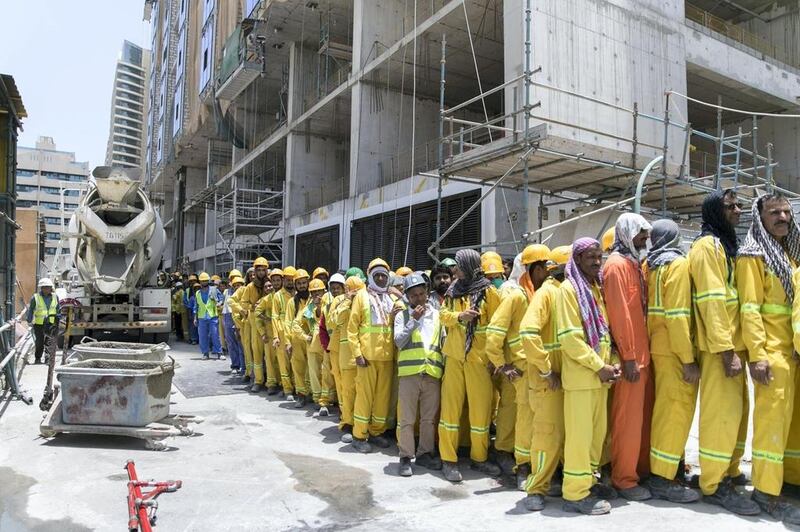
<point x="116" y="240"/>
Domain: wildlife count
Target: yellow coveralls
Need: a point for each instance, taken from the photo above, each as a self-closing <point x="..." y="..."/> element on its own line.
<point x="504" y="346"/>
<point x="264" y="327"/>
<point x="669" y="323"/>
<point x="241" y="317"/>
<point x="766" y="321"/>
<point x="177" y="305"/>
<point x="543" y="355"/>
<point x="724" y="401"/>
<point x="278" y="316"/>
<point x="791" y="455"/>
<point x="308" y="328"/>
<point x="347" y="365"/>
<point x="466" y="376"/>
<point x="299" y="345"/>
<point x="375" y="342"/>
<point x="585" y="397"/>
<point x="247" y="302"/>
<point x="327" y="378"/>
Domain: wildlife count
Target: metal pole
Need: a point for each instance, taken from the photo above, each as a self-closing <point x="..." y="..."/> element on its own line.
<point x="664" y="159"/>
<point x="770" y="182"/>
<point x="755" y="147"/>
<point x="635" y="133"/>
<point x="442" y="65"/>
<point x="528" y="74"/>
<point x="637" y="203"/>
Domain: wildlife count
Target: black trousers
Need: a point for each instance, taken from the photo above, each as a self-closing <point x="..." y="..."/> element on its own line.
<point x="40" y="335"/>
<point x="177" y="325"/>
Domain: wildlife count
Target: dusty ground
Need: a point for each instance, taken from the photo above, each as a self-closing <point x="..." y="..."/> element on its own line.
<point x="256" y="464"/>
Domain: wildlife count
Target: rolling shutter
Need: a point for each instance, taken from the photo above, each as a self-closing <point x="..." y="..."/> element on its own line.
<point x="318" y="248"/>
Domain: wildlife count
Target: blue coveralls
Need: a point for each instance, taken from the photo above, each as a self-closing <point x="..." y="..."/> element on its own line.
<point x="207" y="320"/>
<point x="235" y="350"/>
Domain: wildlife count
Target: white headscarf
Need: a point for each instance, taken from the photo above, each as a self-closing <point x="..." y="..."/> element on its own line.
<point x="516" y="273"/>
<point x="628" y="226"/>
<point x="379" y="299"/>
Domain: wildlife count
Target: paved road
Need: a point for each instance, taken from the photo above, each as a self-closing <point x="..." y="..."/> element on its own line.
<point x="259" y="465"/>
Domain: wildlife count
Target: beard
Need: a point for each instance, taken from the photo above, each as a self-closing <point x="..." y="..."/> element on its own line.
<point x="441" y="289"/>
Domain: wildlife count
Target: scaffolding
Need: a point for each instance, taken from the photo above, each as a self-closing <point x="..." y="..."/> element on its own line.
<point x="516" y="150"/>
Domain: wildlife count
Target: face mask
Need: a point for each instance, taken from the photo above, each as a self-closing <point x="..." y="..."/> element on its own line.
<point x="497" y="283"/>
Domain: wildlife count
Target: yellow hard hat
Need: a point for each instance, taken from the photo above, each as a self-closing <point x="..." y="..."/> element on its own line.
<point x="402" y="271"/>
<point x="300" y="274"/>
<point x="377" y="262"/>
<point x="491" y="256"/>
<point x="608" y="239"/>
<point x="234" y="273"/>
<point x="535" y="253"/>
<point x="204" y="277"/>
<point x="192" y="277"/>
<point x="316" y="284"/>
<point x="558" y="257"/>
<point x="492" y="266"/>
<point x="277" y="271"/>
<point x="289" y="271"/>
<point x="354" y="283"/>
<point x="237" y="280"/>
<point x="318" y="271"/>
<point x="216" y="277"/>
<point x="260" y="261"/>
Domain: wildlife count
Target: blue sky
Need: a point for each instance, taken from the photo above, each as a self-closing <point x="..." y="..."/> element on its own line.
<point x="62" y="55"/>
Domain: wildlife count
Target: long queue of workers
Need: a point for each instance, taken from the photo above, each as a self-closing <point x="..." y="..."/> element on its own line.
<point x="587" y="372"/>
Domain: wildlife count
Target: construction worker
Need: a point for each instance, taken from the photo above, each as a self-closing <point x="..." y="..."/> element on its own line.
<point x="355" y="272"/>
<point x="586" y="373"/>
<point x="718" y="337"/>
<point x="252" y="293"/>
<point x="403" y="271"/>
<point x="222" y="285"/>
<point x="306" y="326"/>
<point x="608" y="240"/>
<point x="506" y="354"/>
<point x="791" y="454"/>
<point x="450" y="264"/>
<point x="44" y="312"/>
<point x="440" y="282"/>
<point x="347" y="364"/>
<point x="235" y="351"/>
<point x="321" y="274"/>
<point x="204" y="305"/>
<point x="280" y="338"/>
<point x="543" y="374"/>
<point x="264" y="328"/>
<point x="187" y="305"/>
<point x="296" y="345"/>
<point x="625" y="291"/>
<point x="469" y="305"/>
<point x="369" y="333"/>
<point x="331" y="374"/>
<point x="669" y="321"/>
<point x="289" y="274"/>
<point x="418" y="336"/>
<point x="179" y="313"/>
<point x="766" y="260"/>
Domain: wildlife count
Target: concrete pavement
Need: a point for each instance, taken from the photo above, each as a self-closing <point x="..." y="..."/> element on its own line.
<point x="257" y="464"/>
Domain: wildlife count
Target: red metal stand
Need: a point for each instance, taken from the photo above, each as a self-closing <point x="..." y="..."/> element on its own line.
<point x="142" y="507"/>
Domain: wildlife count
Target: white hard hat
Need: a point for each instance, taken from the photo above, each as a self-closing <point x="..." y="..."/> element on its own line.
<point x="45" y="282"/>
<point x="337" y="278"/>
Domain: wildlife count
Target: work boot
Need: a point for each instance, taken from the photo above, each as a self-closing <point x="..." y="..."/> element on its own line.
<point x="487" y="468"/>
<point x="222" y="357"/>
<point x="405" y="467"/>
<point x="380" y="441"/>
<point x="790" y="490"/>
<point x="589" y="505"/>
<point x="451" y="472"/>
<point x="245" y="379"/>
<point x="603" y="491"/>
<point x="533" y="503"/>
<point x="273" y="390"/>
<point x="300" y="402"/>
<point x="555" y="489"/>
<point x="362" y="446"/>
<point x="739" y="480"/>
<point x="523" y="470"/>
<point x="727" y="497"/>
<point x="346" y="438"/>
<point x="234" y="371"/>
<point x="205" y="356"/>
<point x="672" y="491"/>
<point x="256" y="388"/>
<point x="429" y="461"/>
<point x="289" y="397"/>
<point x="778" y="509"/>
<point x="323" y="411"/>
<point x="636" y="493"/>
<point x="506" y="462"/>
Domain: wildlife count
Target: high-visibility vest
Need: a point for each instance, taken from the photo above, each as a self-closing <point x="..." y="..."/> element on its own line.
<point x="42" y="311"/>
<point x="209" y="308"/>
<point x="416" y="357"/>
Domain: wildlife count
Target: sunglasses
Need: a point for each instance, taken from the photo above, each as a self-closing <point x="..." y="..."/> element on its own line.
<point x="733" y="206"/>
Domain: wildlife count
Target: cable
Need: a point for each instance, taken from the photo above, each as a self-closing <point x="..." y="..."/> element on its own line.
<point x="413" y="133"/>
<point x="731" y="109"/>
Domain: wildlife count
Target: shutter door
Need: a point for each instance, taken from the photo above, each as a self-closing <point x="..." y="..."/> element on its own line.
<point x="318" y="248"/>
<point x="384" y="235"/>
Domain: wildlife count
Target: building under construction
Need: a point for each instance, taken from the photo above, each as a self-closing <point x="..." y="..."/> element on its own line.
<point x="329" y="132"/>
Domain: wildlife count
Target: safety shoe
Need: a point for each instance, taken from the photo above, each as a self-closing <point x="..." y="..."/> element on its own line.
<point x="487" y="468"/>
<point x="672" y="491"/>
<point x="523" y="470"/>
<point x="636" y="493"/>
<point x="506" y="462"/>
<point x="778" y="509"/>
<point x="533" y="503"/>
<point x="739" y="480"/>
<point x="300" y="402"/>
<point x="234" y="371"/>
<point x="589" y="505"/>
<point x="362" y="446"/>
<point x="603" y="491"/>
<point x="323" y="411"/>
<point x="256" y="388"/>
<point x="205" y="356"/>
<point x="245" y="379"/>
<point x="222" y="357"/>
<point x="555" y="489"/>
<point x="405" y="467"/>
<point x="346" y="438"/>
<point x="380" y="441"/>
<point x="273" y="390"/>
<point x="451" y="472"/>
<point x="429" y="461"/>
<point x="727" y="497"/>
<point x="289" y="397"/>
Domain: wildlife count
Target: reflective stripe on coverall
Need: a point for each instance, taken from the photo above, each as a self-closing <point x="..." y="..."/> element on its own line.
<point x="278" y="318"/>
